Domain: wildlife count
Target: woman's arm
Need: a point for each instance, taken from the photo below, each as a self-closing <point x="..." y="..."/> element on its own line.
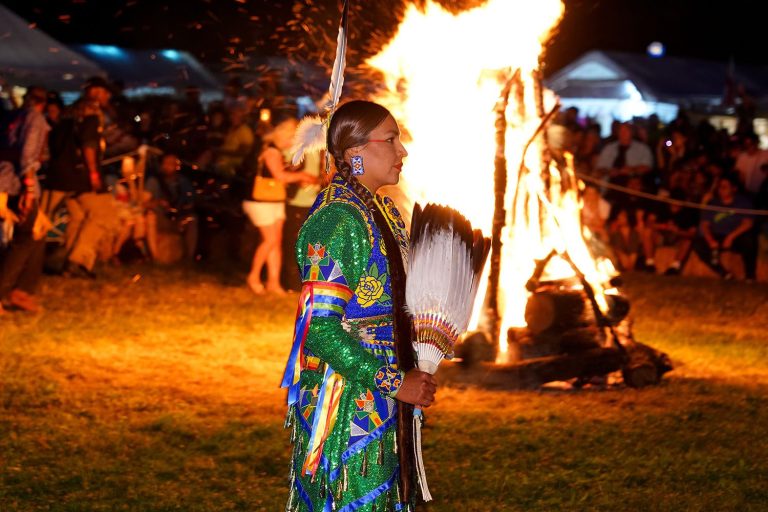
<point x="274" y="162"/>
<point x="333" y="251"/>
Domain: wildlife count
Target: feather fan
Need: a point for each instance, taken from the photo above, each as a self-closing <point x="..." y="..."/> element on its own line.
<point x="445" y="262"/>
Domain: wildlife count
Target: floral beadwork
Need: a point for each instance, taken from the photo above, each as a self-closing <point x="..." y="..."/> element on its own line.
<point x="370" y="288"/>
<point x="388" y="379"/>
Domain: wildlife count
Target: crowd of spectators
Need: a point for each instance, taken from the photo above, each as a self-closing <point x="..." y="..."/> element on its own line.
<point x="107" y="180"/>
<point x="685" y="185"/>
<point x="71" y="201"/>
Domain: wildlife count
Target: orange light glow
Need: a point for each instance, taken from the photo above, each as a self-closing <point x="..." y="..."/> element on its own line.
<point x="444" y="75"/>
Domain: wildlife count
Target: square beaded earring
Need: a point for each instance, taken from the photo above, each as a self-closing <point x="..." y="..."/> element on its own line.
<point x="357" y="165"/>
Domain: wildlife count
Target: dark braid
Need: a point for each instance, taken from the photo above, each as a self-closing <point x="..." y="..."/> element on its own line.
<point x="402" y="321"/>
<point x="353" y="134"/>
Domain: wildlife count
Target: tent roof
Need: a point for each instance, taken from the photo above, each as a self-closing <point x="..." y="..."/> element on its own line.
<point x="29" y="56"/>
<point x="151" y="68"/>
<point x="663" y="79"/>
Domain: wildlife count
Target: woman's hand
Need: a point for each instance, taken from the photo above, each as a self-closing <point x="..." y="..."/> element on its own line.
<point x="308" y="179"/>
<point x="418" y="388"/>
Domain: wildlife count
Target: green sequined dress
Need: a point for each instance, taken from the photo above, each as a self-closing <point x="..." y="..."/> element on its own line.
<point x="342" y="373"/>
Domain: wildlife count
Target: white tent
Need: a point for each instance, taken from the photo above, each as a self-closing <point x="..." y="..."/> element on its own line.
<point x="608" y="85"/>
<point x="29" y="56"/>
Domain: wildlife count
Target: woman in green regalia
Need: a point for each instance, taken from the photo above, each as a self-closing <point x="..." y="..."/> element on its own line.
<point x="351" y="377"/>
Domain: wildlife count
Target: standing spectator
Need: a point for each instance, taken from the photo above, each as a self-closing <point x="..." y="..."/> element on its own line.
<point x="624" y="158"/>
<point x="214" y="133"/>
<point x="75" y="176"/>
<point x="585" y="158"/>
<point x="269" y="217"/>
<point x="749" y="162"/>
<point x="172" y="206"/>
<point x="23" y="263"/>
<point x="725" y="231"/>
<point x="236" y="145"/>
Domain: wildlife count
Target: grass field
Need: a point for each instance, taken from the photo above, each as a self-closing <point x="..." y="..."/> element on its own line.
<point x="156" y="389"/>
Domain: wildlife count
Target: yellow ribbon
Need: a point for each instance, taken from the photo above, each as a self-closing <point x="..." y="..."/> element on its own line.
<point x="325" y="417"/>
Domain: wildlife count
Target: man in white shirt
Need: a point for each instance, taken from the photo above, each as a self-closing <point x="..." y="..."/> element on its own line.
<point x="749" y="163"/>
<point x="620" y="160"/>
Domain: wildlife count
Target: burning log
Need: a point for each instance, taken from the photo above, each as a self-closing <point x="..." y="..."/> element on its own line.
<point x="567" y="333"/>
<point x="618" y="308"/>
<point x="644" y="366"/>
<point x="527" y="345"/>
<point x="534" y="373"/>
<point x="476" y="348"/>
<point x="557" y="309"/>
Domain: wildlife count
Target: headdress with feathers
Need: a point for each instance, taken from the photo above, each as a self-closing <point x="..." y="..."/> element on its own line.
<point x="311" y="132"/>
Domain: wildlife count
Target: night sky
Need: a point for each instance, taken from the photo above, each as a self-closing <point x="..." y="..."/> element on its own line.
<point x="228" y="31"/>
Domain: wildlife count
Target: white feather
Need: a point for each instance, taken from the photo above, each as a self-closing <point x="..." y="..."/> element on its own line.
<point x="340" y="62"/>
<point x="440" y="288"/>
<point x="309" y="136"/>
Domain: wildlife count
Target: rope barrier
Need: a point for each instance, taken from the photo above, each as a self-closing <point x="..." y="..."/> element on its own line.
<point x="135" y="152"/>
<point x="660" y="199"/>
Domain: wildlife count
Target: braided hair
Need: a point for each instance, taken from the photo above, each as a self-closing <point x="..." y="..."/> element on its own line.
<point x="351" y="126"/>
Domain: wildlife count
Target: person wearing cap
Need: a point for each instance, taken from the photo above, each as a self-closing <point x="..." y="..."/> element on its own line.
<point x="75" y="176"/>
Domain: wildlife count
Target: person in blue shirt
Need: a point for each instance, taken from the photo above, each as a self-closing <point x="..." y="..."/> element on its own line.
<point x="722" y="231"/>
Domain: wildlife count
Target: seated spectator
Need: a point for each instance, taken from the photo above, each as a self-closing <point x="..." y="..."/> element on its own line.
<point x="588" y="150"/>
<point x="678" y="178"/>
<point x="641" y="213"/>
<point x="699" y="186"/>
<point x="675" y="225"/>
<point x="721" y="231"/>
<point x="715" y="171"/>
<point x="749" y="162"/>
<point x="625" y="241"/>
<point x="672" y="151"/>
<point x="624" y="158"/>
<point x="172" y="206"/>
<point x="595" y="213"/>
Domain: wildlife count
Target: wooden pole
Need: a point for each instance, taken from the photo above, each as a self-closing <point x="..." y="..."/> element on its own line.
<point x="499" y="212"/>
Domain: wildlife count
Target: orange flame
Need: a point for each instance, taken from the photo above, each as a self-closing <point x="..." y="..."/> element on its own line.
<point x="444" y="75"/>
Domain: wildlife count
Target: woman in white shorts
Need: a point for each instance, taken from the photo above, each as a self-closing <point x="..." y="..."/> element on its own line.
<point x="268" y="217"/>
